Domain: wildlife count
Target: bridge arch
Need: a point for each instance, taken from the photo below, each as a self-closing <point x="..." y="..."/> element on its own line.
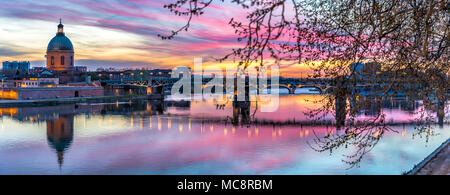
<point x="317" y="87"/>
<point x="289" y="87"/>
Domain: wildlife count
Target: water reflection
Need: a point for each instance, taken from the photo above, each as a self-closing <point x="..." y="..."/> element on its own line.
<point x="366" y="119"/>
<point x="60" y="135"/>
<point x="241" y="113"/>
<point x="196" y="137"/>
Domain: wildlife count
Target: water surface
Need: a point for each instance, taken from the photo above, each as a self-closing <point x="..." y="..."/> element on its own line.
<point x="197" y="137"/>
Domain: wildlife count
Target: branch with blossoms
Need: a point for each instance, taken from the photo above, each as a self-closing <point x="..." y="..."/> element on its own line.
<point x="406" y="40"/>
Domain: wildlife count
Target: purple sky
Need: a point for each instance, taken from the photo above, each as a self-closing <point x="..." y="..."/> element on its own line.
<point x="112" y="32"/>
<point x="116" y="33"/>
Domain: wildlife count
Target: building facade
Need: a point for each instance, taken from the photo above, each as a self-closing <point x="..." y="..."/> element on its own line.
<point x="81" y="69"/>
<point x="30" y="83"/>
<point x="16" y="66"/>
<point x="39" y="93"/>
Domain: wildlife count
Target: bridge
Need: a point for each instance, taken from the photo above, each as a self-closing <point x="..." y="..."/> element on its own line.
<point x="121" y="82"/>
<point x="323" y="86"/>
<point x="158" y="85"/>
<point x="322" y="89"/>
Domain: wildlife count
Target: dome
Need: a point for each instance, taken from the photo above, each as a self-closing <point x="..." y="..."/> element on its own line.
<point x="60" y="42"/>
<point x="60" y="144"/>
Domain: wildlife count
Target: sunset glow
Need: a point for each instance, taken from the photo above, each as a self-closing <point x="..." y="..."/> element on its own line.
<point x="121" y="34"/>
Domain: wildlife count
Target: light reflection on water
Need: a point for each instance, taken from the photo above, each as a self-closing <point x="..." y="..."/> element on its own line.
<point x="192" y="138"/>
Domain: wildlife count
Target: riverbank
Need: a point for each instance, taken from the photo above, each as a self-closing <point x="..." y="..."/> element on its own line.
<point x="45" y="102"/>
<point x="437" y="163"/>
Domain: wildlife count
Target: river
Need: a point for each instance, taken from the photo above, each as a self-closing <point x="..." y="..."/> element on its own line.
<point x="199" y="137"/>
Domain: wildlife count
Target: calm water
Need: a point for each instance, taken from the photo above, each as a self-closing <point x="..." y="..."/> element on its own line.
<point x="195" y="137"/>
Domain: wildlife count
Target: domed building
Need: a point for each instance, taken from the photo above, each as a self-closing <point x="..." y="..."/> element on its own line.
<point x="60" y="52"/>
<point x="60" y="55"/>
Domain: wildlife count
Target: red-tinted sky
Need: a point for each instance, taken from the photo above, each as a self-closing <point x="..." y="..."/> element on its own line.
<point x="117" y="33"/>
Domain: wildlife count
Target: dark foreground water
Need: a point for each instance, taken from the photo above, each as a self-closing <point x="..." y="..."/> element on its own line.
<point x="197" y="137"/>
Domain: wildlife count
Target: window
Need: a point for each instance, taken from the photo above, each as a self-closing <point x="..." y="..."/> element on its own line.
<point x="71" y="60"/>
<point x="62" y="60"/>
<point x="53" y="61"/>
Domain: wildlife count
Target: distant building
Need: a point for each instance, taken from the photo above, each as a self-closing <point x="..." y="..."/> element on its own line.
<point x="23" y="67"/>
<point x="38" y="70"/>
<point x="80" y="69"/>
<point x="362" y="70"/>
<point x="48" y="81"/>
<point x="8" y="84"/>
<point x="30" y="83"/>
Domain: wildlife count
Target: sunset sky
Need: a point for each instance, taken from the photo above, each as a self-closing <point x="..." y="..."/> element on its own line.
<point x="116" y="33"/>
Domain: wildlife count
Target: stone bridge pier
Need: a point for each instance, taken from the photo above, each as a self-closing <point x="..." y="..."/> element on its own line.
<point x="292" y="89"/>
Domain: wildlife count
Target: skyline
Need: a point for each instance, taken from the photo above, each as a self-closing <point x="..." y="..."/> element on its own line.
<point x="224" y="87"/>
<point x="118" y="34"/>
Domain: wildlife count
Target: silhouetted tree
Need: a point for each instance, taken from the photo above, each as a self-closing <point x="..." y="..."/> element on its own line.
<point x="406" y="43"/>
